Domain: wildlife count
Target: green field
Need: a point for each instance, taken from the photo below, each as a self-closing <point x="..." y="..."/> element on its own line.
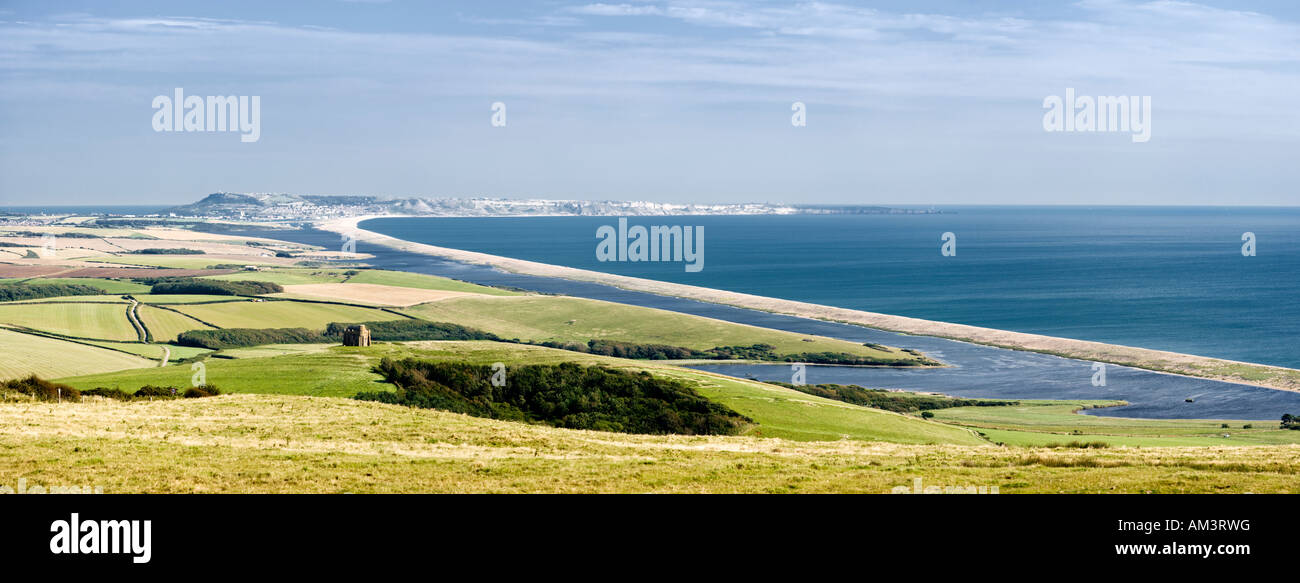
<point x="100" y="321"/>
<point x="421" y="281"/>
<point x="281" y="314"/>
<point x="26" y="354"/>
<point x="164" y="325"/>
<point x="541" y="318"/>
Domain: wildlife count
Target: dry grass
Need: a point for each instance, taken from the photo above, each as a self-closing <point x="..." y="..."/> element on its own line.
<point x="265" y="443"/>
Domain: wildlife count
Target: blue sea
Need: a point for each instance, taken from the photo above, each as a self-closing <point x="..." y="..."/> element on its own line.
<point x="1169" y="278"/>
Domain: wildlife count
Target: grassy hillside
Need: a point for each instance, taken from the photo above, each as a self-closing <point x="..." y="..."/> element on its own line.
<point x="26" y="354"/>
<point x="273" y="443"/>
<point x="556" y="318"/>
<point x="101" y="321"/>
<point x="342" y="372"/>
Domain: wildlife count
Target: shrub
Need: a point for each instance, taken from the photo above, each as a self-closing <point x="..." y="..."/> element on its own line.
<point x="155" y="391"/>
<point x="42" y="389"/>
<point x="926" y="415"/>
<point x="200" y="392"/>
<point x="118" y="394"/>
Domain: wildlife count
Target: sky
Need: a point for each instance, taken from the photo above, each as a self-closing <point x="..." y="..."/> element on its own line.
<point x="905" y="102"/>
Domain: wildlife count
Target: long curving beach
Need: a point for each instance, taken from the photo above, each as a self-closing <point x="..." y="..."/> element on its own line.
<point x="1199" y="366"/>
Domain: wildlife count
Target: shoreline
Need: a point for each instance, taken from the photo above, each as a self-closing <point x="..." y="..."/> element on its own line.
<point x="1260" y="375"/>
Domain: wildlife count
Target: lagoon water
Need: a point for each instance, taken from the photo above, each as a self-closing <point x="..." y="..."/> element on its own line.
<point x="1156" y="277"/>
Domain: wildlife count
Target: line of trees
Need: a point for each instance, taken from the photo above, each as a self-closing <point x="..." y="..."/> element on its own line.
<point x="216" y="287"/>
<point x="20" y="291"/>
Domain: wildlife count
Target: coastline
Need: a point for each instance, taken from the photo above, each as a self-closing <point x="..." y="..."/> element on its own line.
<point x="1273" y="377"/>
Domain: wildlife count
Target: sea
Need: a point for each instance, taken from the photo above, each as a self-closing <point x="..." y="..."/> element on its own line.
<point x="1212" y="281"/>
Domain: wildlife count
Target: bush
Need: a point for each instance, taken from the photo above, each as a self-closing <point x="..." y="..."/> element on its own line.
<point x="565" y="395"/>
<point x="200" y="392"/>
<point x="118" y="394"/>
<point x="42" y="389"/>
<point x="154" y="391"/>
<point x="926" y="415"/>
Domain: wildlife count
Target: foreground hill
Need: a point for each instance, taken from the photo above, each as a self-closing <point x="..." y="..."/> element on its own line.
<point x="277" y="443"/>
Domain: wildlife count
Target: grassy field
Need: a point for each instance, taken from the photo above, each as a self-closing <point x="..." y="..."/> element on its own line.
<point x="275" y="443"/>
<point x="342" y="372"/>
<point x="26" y="354"/>
<point x="166" y="324"/>
<point x="281" y="314"/>
<point x="100" y="321"/>
<point x="417" y="280"/>
<point x="576" y="319"/>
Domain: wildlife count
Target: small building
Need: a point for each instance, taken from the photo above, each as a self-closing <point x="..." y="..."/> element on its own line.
<point x="356" y="336"/>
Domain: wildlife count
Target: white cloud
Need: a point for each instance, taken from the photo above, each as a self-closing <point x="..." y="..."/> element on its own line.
<point x="617" y="9"/>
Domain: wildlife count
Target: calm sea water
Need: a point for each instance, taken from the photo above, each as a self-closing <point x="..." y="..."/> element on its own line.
<point x="1165" y="278"/>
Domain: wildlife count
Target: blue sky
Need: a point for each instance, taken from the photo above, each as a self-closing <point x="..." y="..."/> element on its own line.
<point x="937" y="102"/>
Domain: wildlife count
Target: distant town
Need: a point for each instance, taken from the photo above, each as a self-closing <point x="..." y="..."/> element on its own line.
<point x="294" y="208"/>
